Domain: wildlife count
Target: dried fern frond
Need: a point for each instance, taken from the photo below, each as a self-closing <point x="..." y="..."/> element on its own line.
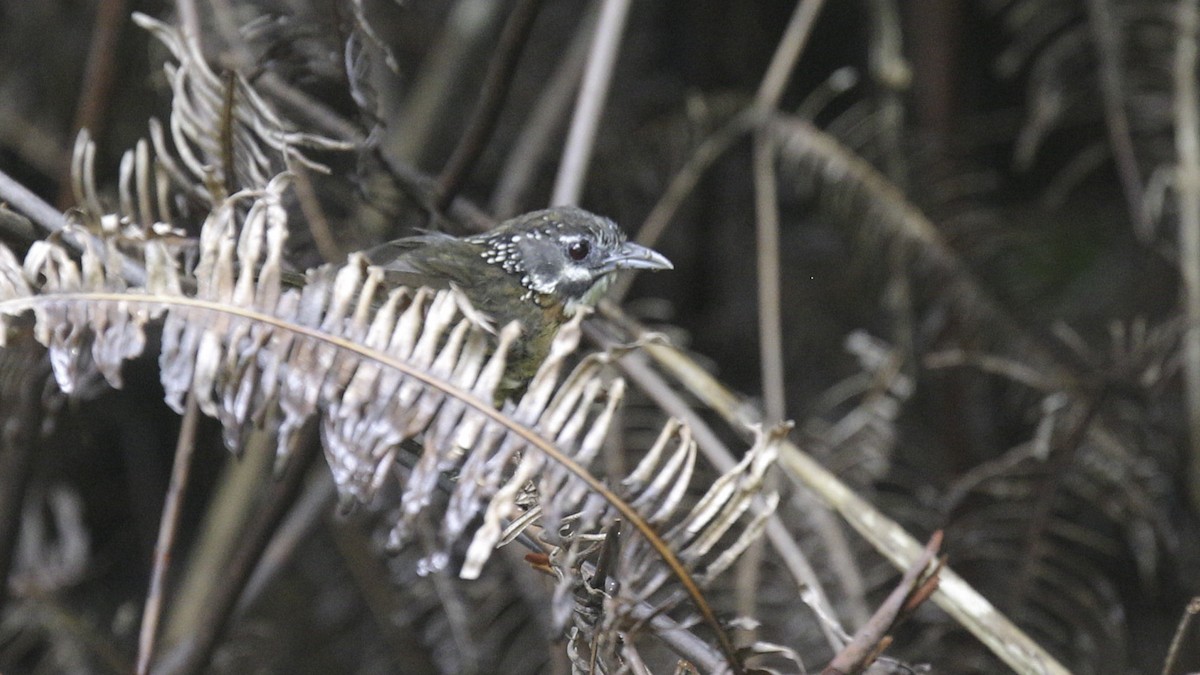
<point x="252" y="352"/>
<point x="222" y="136"/>
<point x="377" y="367"/>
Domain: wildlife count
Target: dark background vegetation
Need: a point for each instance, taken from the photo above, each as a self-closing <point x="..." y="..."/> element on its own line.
<point x="1015" y="126"/>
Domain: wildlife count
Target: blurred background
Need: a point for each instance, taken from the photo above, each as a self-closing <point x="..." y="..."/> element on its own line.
<point x="983" y="249"/>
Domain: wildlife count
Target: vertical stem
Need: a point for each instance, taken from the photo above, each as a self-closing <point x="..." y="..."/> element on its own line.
<point x="770" y="300"/>
<point x="770" y="90"/>
<point x="168" y="525"/>
<point x="770" y="313"/>
<point x="1187" y="146"/>
<point x="787" y="53"/>
<point x="546" y="117"/>
<point x="592" y="93"/>
<point x="99" y="73"/>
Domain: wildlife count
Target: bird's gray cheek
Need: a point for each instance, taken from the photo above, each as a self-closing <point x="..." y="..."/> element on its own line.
<point x="542" y="278"/>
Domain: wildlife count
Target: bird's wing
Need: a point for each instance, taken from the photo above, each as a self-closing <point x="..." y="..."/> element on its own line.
<point x="434" y="260"/>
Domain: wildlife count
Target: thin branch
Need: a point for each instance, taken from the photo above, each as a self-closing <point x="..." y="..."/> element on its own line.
<point x="468" y="29"/>
<point x="314" y="216"/>
<point x="97" y="81"/>
<point x="770" y="90"/>
<point x="383" y="598"/>
<point x="1182" y="655"/>
<point x="770" y="301"/>
<point x="892" y="76"/>
<point x="770" y="296"/>
<point x="226" y="132"/>
<point x="767" y="99"/>
<point x="168" y="526"/>
<point x="496" y="85"/>
<point x="770" y="334"/>
<point x="34" y="207"/>
<point x="683" y="183"/>
<point x="317" y="502"/>
<point x="1009" y="368"/>
<point x="1187" y="145"/>
<point x="542" y="124"/>
<point x="590" y="103"/>
<point x="869" y="642"/>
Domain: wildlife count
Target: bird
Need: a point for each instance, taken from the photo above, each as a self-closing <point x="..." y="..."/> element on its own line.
<point x="538" y="269"/>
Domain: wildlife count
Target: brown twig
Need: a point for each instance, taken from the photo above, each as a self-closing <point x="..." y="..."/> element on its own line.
<point x="193" y="654"/>
<point x="225" y="133"/>
<point x="496" y="85"/>
<point x="184" y="448"/>
<point x="98" y="76"/>
<point x="915" y="587"/>
<point x="314" y="216"/>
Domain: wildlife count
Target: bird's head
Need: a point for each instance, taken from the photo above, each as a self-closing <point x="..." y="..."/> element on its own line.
<point x="567" y="253"/>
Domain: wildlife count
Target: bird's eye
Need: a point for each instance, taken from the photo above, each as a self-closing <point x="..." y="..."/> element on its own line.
<point x="579" y="250"/>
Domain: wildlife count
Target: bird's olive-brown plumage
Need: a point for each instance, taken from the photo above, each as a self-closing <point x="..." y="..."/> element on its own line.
<point x="537" y="269"/>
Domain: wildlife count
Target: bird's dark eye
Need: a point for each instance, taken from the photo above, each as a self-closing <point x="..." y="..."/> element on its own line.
<point x="579" y="250"/>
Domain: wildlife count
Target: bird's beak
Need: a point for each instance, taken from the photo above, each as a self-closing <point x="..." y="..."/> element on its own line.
<point x="638" y="257"/>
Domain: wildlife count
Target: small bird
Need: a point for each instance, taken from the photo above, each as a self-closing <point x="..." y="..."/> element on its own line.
<point x="539" y="269"/>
